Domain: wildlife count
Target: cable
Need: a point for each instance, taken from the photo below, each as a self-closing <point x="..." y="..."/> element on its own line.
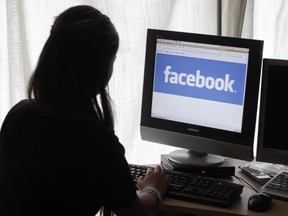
<point x="247" y="183"/>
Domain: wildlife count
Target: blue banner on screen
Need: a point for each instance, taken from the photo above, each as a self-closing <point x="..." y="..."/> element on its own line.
<point x="200" y="78"/>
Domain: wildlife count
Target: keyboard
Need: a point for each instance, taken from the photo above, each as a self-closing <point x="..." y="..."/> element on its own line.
<point x="258" y="175"/>
<point x="277" y="186"/>
<point x="196" y="188"/>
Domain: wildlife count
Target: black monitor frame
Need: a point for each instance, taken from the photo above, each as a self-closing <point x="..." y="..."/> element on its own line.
<point x="195" y="137"/>
<point x="272" y="146"/>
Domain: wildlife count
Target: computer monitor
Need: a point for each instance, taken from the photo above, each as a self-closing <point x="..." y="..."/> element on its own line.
<point x="200" y="94"/>
<point x="272" y="146"/>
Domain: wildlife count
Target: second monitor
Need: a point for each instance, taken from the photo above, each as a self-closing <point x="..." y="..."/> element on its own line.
<point x="272" y="134"/>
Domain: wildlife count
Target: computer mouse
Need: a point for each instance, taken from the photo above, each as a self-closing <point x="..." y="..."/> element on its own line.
<point x="259" y="202"/>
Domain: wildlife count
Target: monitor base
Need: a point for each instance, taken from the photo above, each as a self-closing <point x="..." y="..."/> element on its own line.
<point x="225" y="169"/>
<point x="188" y="157"/>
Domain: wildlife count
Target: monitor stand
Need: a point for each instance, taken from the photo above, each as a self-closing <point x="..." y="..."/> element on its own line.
<point x="193" y="158"/>
<point x="224" y="169"/>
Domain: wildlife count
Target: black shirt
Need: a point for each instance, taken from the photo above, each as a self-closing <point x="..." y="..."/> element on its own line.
<point x="51" y="165"/>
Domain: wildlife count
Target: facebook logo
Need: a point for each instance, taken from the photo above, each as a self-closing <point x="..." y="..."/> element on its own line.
<point x="200" y="78"/>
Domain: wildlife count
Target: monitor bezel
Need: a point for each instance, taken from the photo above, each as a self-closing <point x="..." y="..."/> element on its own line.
<point x="266" y="154"/>
<point x="169" y="132"/>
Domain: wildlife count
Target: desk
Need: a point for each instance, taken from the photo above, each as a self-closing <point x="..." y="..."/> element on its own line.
<point x="174" y="207"/>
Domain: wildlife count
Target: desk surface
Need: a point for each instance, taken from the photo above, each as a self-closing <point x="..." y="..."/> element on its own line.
<point x="179" y="207"/>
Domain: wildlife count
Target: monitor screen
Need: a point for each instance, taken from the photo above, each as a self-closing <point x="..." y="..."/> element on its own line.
<point x="200" y="93"/>
<point x="272" y="146"/>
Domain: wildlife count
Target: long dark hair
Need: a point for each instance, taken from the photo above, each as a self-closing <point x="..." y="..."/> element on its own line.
<point x="75" y="65"/>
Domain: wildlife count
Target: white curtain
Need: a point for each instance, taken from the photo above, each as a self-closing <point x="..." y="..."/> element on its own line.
<point x="232" y="17"/>
<point x="25" y="25"/>
<point x="267" y="20"/>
